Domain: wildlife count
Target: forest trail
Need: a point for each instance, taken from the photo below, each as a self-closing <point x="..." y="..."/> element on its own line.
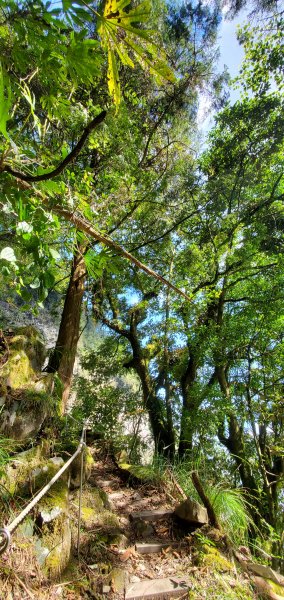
<point x="148" y="552"/>
<point x="132" y="547"/>
<point x="157" y="555"/>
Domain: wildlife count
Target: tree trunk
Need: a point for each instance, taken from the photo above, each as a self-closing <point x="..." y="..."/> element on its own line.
<point x="63" y="357"/>
<point x="189" y="406"/>
<point x="162" y="433"/>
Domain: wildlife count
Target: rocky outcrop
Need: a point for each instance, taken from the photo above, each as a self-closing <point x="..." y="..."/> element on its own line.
<point x="27" y="396"/>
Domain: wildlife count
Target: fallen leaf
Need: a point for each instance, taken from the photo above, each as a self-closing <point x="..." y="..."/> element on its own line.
<point x="128" y="553"/>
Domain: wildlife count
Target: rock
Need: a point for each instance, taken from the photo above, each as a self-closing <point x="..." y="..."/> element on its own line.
<point x="29" y="471"/>
<point x="75" y="468"/>
<point x="212" y="558"/>
<point x="268" y="588"/>
<point x="53" y="543"/>
<point x="134" y="579"/>
<point x="192" y="512"/>
<point x="143" y="529"/>
<point x="265" y="572"/>
<point x="28" y="396"/>
<point x="245" y="551"/>
<point x="119" y="579"/>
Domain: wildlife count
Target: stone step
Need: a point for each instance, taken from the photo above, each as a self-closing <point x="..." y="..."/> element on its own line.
<point x="157" y="589"/>
<point x="151" y="515"/>
<point x="153" y="547"/>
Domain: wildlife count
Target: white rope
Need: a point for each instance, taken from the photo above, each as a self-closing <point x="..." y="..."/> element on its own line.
<point x="5" y="532"/>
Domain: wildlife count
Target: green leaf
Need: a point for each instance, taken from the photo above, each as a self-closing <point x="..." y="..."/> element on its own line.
<point x="54" y="253"/>
<point x="48" y="279"/>
<point x="113" y="77"/>
<point x="8" y="254"/>
<point x="5" y="102"/>
<point x="35" y="284"/>
<point x="110" y="27"/>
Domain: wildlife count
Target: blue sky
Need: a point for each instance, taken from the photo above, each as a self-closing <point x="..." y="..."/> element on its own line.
<point x="231" y="55"/>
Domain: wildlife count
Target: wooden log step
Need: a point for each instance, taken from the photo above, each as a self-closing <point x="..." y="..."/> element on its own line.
<point x="156" y="589"/>
<point x="153" y="547"/>
<point x="151" y="515"/>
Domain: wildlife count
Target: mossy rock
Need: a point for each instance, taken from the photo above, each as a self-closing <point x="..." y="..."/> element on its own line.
<point x="75" y="468"/>
<point x="25" y="409"/>
<point x="29" y="471"/>
<point x="53" y="543"/>
<point x="268" y="588"/>
<point x="26" y="357"/>
<point x="208" y="554"/>
<point x="95" y="509"/>
<point x="17" y="477"/>
<point x="277" y="589"/>
<point x="220" y="587"/>
<point x="27" y="396"/>
<point x="140" y="473"/>
<point x="212" y="558"/>
<point x="118" y="579"/>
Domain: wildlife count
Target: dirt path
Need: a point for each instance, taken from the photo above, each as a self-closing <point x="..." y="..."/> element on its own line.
<point x="114" y="563"/>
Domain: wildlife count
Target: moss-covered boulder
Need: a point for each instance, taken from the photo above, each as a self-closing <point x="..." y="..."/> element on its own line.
<point x="27" y="396"/>
<point x="75" y="469"/>
<point x="30" y="470"/>
<point x="53" y="531"/>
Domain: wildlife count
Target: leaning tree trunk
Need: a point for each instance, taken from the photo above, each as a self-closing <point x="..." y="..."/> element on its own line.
<point x="63" y="357"/>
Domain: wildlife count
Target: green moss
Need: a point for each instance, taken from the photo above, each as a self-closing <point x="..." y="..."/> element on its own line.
<point x="277" y="589"/>
<point x="118" y="578"/>
<point x="211" y="557"/>
<point x="17" y="477"/>
<point x="144" y="473"/>
<point x="217" y="587"/>
<point x="89" y="515"/>
<point x="26" y="356"/>
<point x="55" y="534"/>
<point x="29" y="471"/>
<point x="18" y="370"/>
<point x="57" y="496"/>
<point x="88" y="457"/>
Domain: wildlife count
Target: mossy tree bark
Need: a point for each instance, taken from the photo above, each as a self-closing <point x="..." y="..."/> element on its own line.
<point x="63" y="357"/>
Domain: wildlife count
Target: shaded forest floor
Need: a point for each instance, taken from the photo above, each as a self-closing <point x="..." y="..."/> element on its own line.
<point x="109" y="561"/>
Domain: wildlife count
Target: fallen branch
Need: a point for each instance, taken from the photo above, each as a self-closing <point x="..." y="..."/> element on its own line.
<point x="87" y="227"/>
<point x="21" y="583"/>
<point x="176" y="484"/>
<point x="200" y="490"/>
<point x="105" y="239"/>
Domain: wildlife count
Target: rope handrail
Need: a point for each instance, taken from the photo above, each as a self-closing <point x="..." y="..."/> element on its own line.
<point x="6" y="531"/>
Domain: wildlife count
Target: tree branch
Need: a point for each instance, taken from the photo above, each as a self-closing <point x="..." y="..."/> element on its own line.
<point x="85" y="226"/>
<point x="69" y="158"/>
